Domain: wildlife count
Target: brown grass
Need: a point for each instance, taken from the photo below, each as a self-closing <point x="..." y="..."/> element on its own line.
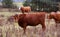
<point x="13" y="30"/>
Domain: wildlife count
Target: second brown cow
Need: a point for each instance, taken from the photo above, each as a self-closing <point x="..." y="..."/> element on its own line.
<point x="55" y="16"/>
<point x="25" y="9"/>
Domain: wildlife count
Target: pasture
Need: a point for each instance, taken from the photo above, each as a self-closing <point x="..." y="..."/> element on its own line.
<point x="8" y="29"/>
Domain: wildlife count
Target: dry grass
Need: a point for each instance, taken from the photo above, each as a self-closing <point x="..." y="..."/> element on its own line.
<point x="13" y="30"/>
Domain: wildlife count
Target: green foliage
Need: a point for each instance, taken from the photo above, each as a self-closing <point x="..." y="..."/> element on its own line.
<point x="45" y="4"/>
<point x="7" y="3"/>
<point x="26" y="3"/>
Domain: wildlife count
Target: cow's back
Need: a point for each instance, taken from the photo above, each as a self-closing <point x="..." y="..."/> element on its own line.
<point x="34" y="19"/>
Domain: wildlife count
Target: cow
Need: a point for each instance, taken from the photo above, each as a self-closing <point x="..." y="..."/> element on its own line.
<point x="54" y="16"/>
<point x="32" y="19"/>
<point x="25" y="9"/>
<point x="14" y="17"/>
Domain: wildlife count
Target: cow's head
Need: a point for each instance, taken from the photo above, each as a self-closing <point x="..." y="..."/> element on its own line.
<point x="51" y="16"/>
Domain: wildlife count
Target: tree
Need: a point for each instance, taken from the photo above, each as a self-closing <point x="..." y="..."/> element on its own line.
<point x="56" y="0"/>
<point x="26" y="3"/>
<point x="38" y="5"/>
<point x="7" y="3"/>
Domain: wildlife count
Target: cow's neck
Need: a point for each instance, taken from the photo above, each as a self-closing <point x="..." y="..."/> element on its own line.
<point x="22" y="16"/>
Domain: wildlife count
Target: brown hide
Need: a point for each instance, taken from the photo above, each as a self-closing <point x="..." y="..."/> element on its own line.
<point x="32" y="20"/>
<point x="25" y="9"/>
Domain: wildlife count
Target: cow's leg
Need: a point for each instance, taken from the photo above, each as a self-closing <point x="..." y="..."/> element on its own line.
<point x="43" y="27"/>
<point x="24" y="28"/>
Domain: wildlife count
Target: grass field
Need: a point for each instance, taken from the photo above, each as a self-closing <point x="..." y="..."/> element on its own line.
<point x="13" y="30"/>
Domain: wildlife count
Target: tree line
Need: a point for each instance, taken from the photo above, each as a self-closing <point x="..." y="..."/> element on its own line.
<point x="8" y="4"/>
<point x="41" y="5"/>
<point x="36" y="5"/>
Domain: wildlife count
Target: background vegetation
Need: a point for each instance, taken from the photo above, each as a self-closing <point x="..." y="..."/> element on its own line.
<point x="38" y="5"/>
